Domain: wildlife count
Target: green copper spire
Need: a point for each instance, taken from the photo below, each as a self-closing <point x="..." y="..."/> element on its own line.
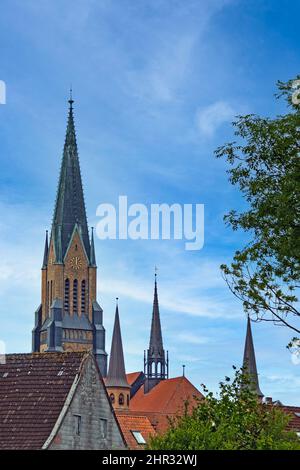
<point x="69" y="206"/>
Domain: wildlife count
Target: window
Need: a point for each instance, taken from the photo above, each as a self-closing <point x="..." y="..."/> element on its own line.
<point x="51" y="292"/>
<point x="138" y="437"/>
<point x="83" y="295"/>
<point x="121" y="399"/>
<point x="127" y="400"/>
<point x="75" y="296"/>
<point x="77" y="419"/>
<point x="103" y="428"/>
<point x="67" y="296"/>
<point x="112" y="398"/>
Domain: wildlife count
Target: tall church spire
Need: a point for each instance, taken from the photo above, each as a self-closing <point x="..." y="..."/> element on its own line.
<point x="116" y="381"/>
<point x="249" y="361"/>
<point x="156" y="366"/>
<point x="69" y="317"/>
<point x="69" y="207"/>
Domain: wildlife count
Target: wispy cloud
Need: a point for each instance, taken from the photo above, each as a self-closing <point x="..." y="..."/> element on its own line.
<point x="210" y="118"/>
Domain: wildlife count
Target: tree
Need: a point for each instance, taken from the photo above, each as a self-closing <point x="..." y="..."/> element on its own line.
<point x="234" y="421"/>
<point x="265" y="165"/>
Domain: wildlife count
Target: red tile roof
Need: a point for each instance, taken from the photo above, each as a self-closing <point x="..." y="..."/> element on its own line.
<point x="130" y="422"/>
<point x="294" y="413"/>
<point x="168" y="396"/>
<point x="131" y="378"/>
<point x="33" y="389"/>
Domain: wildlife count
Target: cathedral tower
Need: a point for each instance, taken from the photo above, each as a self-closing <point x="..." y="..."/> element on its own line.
<point x="156" y="365"/>
<point x="116" y="381"/>
<point x="69" y="317"/>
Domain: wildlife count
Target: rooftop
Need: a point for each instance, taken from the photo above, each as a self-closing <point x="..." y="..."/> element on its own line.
<point x="33" y="389"/>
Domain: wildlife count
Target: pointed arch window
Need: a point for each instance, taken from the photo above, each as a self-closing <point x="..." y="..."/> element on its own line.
<point x="75" y="296"/>
<point x="51" y="292"/>
<point x="83" y="296"/>
<point x="67" y="296"/>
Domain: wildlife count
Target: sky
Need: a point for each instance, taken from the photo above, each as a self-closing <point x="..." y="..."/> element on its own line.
<point x="156" y="86"/>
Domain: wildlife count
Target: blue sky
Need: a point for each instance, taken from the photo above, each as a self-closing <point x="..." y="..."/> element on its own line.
<point x="156" y="85"/>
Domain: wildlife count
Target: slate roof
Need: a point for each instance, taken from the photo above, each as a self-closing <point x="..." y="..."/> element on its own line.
<point x="33" y="389"/>
<point x="129" y="422"/>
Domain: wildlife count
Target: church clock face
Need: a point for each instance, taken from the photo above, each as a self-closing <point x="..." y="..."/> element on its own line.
<point x="76" y="263"/>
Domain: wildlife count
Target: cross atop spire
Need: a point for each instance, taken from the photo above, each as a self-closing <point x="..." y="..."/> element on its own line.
<point x="71" y="101"/>
<point x="116" y="376"/>
<point x="249" y="361"/>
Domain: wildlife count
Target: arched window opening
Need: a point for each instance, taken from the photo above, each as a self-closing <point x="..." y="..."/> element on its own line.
<point x="112" y="398"/>
<point x="67" y="296"/>
<point x="48" y="296"/>
<point x="83" y="296"/>
<point x="121" y="399"/>
<point x="127" y="400"/>
<point x="51" y="292"/>
<point x="75" y="296"/>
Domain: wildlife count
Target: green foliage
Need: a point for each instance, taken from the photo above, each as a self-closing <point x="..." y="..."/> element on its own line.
<point x="235" y="420"/>
<point x="265" y="166"/>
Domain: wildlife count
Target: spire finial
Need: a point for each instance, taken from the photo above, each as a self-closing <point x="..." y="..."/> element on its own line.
<point x="71" y="101"/>
<point x="117" y="301"/>
<point x="183" y="370"/>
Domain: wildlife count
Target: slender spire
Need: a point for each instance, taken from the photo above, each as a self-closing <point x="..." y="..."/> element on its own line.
<point x="249" y="361"/>
<point x="156" y="366"/>
<point x="46" y="249"/>
<point x="156" y="341"/>
<point x="92" y="252"/>
<point x="69" y="206"/>
<point x="116" y="376"/>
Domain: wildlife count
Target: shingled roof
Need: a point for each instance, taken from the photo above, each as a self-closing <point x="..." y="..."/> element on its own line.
<point x="33" y="390"/>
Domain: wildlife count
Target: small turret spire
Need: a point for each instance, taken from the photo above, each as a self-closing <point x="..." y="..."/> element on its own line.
<point x="156" y="366"/>
<point x="249" y="361"/>
<point x="92" y="253"/>
<point x="46" y="250"/>
<point x="116" y="376"/>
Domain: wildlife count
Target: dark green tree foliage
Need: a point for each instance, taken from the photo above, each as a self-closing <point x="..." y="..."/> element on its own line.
<point x="235" y="420"/>
<point x="265" y="166"/>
